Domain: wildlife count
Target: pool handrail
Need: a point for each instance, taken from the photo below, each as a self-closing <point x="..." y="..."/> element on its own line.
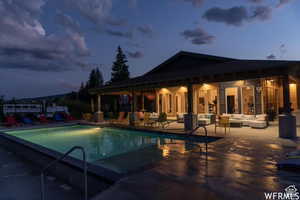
<point x="60" y="159"/>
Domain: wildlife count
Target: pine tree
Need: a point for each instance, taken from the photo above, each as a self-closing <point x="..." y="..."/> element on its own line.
<point x="120" y="68"/>
<point x="99" y="78"/>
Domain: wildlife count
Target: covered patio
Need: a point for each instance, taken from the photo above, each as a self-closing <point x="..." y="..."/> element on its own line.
<point x="195" y="89"/>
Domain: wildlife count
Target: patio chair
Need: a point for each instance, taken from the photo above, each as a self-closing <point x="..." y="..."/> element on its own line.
<point x="223" y="122"/>
<point x="11" y="121"/>
<point x="43" y="119"/>
<point x="121" y="118"/>
<point x="163" y="120"/>
<point x="27" y="120"/>
<point x="68" y="117"/>
<point x="58" y="117"/>
<point x="87" y="116"/>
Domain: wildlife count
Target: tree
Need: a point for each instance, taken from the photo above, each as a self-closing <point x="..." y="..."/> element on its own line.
<point x="95" y="79"/>
<point x="120" y="68"/>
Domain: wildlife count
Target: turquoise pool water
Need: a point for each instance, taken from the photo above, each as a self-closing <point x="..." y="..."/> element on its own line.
<point x="118" y="149"/>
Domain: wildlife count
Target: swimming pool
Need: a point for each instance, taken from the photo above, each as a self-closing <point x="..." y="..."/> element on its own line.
<point x="119" y="150"/>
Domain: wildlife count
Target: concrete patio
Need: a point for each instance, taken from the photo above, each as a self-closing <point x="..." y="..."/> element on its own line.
<point x="242" y="165"/>
<point x="20" y="179"/>
<point x="239" y="166"/>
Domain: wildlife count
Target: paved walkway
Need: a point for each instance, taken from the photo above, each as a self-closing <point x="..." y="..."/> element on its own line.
<point x="20" y="180"/>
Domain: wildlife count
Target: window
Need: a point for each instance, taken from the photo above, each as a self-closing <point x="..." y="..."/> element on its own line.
<point x="248" y="103"/>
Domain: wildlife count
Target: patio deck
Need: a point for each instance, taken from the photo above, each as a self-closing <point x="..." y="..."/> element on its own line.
<point x="242" y="165"/>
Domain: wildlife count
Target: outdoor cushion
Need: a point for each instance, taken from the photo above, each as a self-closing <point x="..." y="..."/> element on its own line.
<point x="237" y="116"/>
<point x="258" y="124"/>
<point x="261" y="117"/>
<point x="249" y="117"/>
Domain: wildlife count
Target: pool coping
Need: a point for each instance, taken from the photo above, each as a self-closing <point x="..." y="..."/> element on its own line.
<point x="159" y="132"/>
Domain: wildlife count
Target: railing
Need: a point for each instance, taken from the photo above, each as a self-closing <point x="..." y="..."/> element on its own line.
<point x="60" y="159"/>
<point x="200" y="126"/>
<point x="206" y="135"/>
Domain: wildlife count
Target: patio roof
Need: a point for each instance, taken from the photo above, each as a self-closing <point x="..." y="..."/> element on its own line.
<point x="186" y="67"/>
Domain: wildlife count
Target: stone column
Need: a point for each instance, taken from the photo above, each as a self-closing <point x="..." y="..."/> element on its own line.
<point x="92" y="105"/>
<point x="132" y="114"/>
<point x="287" y="122"/>
<point x="143" y="102"/>
<point x="99" y="114"/>
<point x="190" y="119"/>
<point x="157" y="102"/>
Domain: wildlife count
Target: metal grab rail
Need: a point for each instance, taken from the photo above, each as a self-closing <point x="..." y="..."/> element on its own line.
<point x="60" y="159"/>
<point x="195" y="129"/>
<point x="206" y="135"/>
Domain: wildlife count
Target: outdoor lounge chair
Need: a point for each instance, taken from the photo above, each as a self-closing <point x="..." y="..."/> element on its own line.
<point x="68" y="117"/>
<point x="43" y="119"/>
<point x="11" y="121"/>
<point x="27" y="120"/>
<point x="58" y="117"/>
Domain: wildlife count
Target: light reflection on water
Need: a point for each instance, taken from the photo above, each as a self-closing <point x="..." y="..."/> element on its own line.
<point x="102" y="143"/>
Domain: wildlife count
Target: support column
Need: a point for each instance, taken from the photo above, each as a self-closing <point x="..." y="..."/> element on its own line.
<point x="287" y="122"/>
<point x="157" y="102"/>
<point x="143" y="102"/>
<point x="190" y="119"/>
<point x="132" y="114"/>
<point x="92" y="105"/>
<point x="99" y="114"/>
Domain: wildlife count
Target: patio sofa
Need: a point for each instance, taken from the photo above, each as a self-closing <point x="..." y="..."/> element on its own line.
<point x="254" y="121"/>
<point x="205" y="119"/>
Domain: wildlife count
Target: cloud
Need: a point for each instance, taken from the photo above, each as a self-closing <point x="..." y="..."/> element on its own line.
<point x="67" y="22"/>
<point x="196" y="3"/>
<point x="115" y="22"/>
<point x="136" y="54"/>
<point x="282" y="3"/>
<point x="24" y="43"/>
<point x="261" y="13"/>
<point x="271" y="57"/>
<point x="146" y="30"/>
<point x="238" y="15"/>
<point x="93" y="10"/>
<point x="256" y="1"/>
<point x="115" y="33"/>
<point x="232" y="16"/>
<point x="21" y="11"/>
<point x="198" y="36"/>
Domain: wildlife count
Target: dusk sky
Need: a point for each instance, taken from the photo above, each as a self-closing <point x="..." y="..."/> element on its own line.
<point x="49" y="46"/>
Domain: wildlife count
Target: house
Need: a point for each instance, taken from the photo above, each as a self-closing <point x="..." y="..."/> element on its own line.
<point x="197" y="83"/>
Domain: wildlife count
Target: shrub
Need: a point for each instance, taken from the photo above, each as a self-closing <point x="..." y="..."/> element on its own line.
<point x="76" y="107"/>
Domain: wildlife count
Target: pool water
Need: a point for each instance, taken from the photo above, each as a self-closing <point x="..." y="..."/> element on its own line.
<point x="120" y="150"/>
